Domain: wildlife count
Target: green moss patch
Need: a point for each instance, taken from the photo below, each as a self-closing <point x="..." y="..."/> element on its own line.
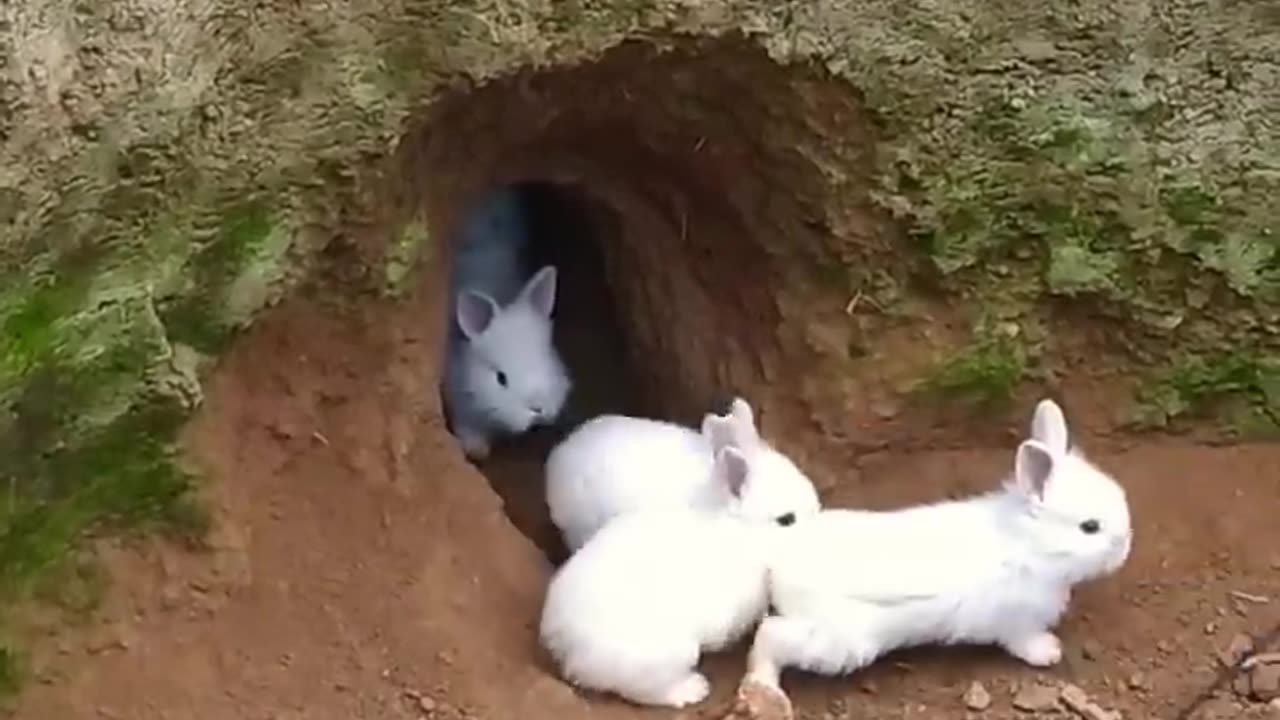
<point x="1246" y="386"/>
<point x="985" y="373"/>
<point x="196" y="314"/>
<point x="402" y="252"/>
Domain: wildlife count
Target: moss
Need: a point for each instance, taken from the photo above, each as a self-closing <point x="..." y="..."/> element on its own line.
<point x="12" y="670"/>
<point x="402" y="252"/>
<point x="196" y="315"/>
<point x="124" y="476"/>
<point x="1247" y="385"/>
<point x="986" y="373"/>
<point x="34" y="311"/>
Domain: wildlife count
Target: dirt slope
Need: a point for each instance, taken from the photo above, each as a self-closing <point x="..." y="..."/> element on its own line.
<point x="341" y="582"/>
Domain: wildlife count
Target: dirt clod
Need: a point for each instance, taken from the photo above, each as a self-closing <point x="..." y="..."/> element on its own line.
<point x="1261" y="682"/>
<point x="1036" y="697"/>
<point x="1091" y="649"/>
<point x="977" y="698"/>
<point x="1238" y="649"/>
<point x="1077" y="701"/>
<point x="1138" y="681"/>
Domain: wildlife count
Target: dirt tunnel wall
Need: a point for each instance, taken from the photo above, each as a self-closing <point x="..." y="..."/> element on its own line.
<point x="716" y="211"/>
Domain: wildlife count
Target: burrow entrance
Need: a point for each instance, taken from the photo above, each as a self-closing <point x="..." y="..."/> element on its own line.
<point x="685" y="193"/>
<point x="568" y="228"/>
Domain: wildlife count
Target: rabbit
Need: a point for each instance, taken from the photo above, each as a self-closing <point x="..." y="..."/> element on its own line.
<point x="503" y="373"/>
<point x="848" y="586"/>
<point x="633" y="609"/>
<point x="614" y="463"/>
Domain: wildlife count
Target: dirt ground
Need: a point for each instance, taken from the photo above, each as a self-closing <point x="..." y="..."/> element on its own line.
<point x="359" y="569"/>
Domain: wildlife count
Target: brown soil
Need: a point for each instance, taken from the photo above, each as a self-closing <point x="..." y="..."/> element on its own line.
<point x="359" y="564"/>
<point x="360" y="568"/>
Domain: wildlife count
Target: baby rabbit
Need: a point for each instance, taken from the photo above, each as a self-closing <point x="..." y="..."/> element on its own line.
<point x="848" y="586"/>
<point x="633" y="609"/>
<point x="614" y="464"/>
<point x="502" y="374"/>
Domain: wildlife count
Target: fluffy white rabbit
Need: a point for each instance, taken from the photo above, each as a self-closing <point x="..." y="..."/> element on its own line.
<point x="849" y="586"/>
<point x="614" y="464"/>
<point x="633" y="609"/>
<point x="503" y="374"/>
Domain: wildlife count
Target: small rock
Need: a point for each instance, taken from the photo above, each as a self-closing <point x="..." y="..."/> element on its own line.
<point x="1036" y="698"/>
<point x="426" y="704"/>
<point x="1237" y="650"/>
<point x="1078" y="702"/>
<point x="1137" y="681"/>
<point x="885" y="409"/>
<point x="1091" y="650"/>
<point x="1264" y="682"/>
<point x="1241" y="685"/>
<point x="977" y="698"/>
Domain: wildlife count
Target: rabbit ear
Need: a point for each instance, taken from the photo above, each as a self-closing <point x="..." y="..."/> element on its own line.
<point x="718" y="431"/>
<point x="1032" y="468"/>
<point x="731" y="465"/>
<point x="540" y="291"/>
<point x="475" y="312"/>
<point x="744" y="423"/>
<point x="1049" y="426"/>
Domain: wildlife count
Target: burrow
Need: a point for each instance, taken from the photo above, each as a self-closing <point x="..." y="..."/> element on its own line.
<point x="697" y="197"/>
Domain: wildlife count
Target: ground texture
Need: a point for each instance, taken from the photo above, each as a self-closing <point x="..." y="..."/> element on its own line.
<point x="341" y="578"/>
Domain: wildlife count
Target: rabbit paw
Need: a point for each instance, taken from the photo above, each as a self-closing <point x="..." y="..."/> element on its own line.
<point x="693" y="689"/>
<point x="757" y="700"/>
<point x="1041" y="650"/>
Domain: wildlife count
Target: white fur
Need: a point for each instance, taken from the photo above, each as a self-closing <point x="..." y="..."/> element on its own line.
<point x="849" y="586"/>
<point x="500" y="330"/>
<point x="632" y="611"/>
<point x="614" y="464"/>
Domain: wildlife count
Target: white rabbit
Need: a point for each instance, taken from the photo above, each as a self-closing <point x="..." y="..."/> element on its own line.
<point x="849" y="586"/>
<point x="633" y="609"/>
<point x="614" y="464"/>
<point x="503" y="373"/>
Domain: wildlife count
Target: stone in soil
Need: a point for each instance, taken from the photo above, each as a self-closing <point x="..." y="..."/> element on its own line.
<point x="977" y="698"/>
<point x="1077" y="701"/>
<point x="1036" y="698"/>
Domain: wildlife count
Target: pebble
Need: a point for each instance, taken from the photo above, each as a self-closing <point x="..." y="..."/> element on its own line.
<point x="1091" y="650"/>
<point x="1137" y="681"/>
<point x="1036" y="698"/>
<point x="1264" y="682"/>
<point x="1238" y="649"/>
<point x="1078" y="702"/>
<point x="977" y="698"/>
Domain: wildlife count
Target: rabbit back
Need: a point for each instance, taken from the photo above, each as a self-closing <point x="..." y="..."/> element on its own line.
<point x="941" y="573"/>
<point x="614" y="464"/>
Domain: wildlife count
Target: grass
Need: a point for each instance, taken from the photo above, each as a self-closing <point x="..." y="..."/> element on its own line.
<point x="1198" y="385"/>
<point x="986" y="373"/>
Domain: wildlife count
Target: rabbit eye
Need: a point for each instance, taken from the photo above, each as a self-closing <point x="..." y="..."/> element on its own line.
<point x="786" y="519"/>
<point x="502" y="378"/>
<point x="1089" y="527"/>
